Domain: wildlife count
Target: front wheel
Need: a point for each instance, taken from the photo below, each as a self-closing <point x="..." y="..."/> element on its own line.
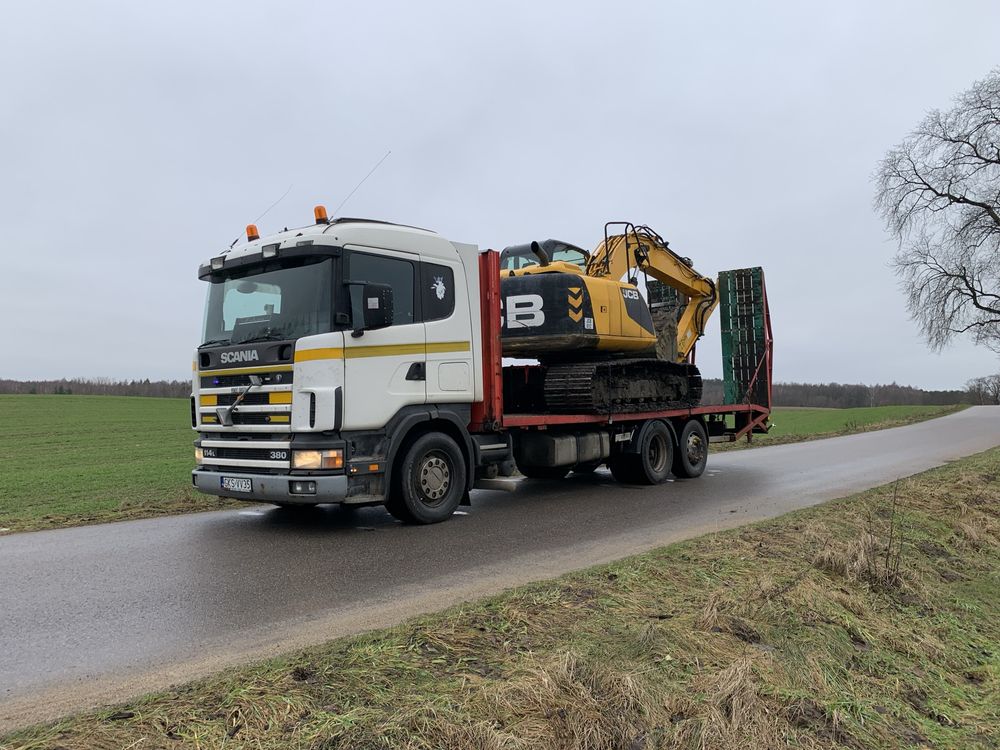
<point x="429" y="481"/>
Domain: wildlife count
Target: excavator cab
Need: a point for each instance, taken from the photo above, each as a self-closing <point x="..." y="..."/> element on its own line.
<point x="517" y="257"/>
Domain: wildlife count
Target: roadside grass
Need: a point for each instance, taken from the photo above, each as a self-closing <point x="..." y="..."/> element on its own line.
<point x="795" y="424"/>
<point x="71" y="460"/>
<point x="867" y="622"/>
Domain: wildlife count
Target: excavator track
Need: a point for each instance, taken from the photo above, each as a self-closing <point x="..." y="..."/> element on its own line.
<point x="621" y="386"/>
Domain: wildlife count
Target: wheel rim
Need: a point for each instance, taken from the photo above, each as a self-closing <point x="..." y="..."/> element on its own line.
<point x="656" y="454"/>
<point x="433" y="477"/>
<point x="695" y="449"/>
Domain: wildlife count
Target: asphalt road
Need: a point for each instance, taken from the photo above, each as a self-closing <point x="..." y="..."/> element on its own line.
<point x="96" y="614"/>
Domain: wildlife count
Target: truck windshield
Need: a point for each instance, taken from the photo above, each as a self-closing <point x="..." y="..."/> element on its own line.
<point x="273" y="303"/>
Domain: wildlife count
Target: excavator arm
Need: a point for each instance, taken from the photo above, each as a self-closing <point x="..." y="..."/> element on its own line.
<point x="641" y="249"/>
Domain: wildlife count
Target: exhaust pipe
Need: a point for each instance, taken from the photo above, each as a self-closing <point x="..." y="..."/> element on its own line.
<point x="543" y="257"/>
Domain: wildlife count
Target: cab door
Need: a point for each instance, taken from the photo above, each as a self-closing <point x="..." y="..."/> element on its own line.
<point x="445" y="308"/>
<point x="384" y="369"/>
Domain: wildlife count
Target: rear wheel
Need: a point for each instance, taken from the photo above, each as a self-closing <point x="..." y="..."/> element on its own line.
<point x="691" y="457"/>
<point x="651" y="465"/>
<point x="656" y="453"/>
<point x="623" y="468"/>
<point x="429" y="481"/>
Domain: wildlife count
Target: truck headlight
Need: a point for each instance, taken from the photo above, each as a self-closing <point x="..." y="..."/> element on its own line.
<point x="199" y="455"/>
<point x="331" y="459"/>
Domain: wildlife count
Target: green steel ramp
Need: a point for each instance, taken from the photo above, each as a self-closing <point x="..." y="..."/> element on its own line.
<point x="746" y="337"/>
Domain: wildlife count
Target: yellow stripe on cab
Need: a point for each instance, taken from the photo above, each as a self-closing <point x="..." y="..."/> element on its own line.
<point x="381" y="350"/>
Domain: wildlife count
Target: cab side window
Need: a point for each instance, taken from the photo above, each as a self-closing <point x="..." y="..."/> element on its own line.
<point x="397" y="273"/>
<point x="437" y="291"/>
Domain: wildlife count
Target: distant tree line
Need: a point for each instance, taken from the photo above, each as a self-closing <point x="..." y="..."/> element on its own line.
<point x="846" y="395"/>
<point x="100" y="387"/>
<point x="984" y="390"/>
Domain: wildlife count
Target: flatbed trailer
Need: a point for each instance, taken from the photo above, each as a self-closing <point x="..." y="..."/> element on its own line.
<point x="748" y="417"/>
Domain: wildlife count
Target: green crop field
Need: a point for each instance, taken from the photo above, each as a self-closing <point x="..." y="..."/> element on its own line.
<point x="84" y="459"/>
<point x="88" y="459"/>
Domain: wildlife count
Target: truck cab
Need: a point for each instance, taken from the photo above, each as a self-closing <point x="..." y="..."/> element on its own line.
<point x="326" y="351"/>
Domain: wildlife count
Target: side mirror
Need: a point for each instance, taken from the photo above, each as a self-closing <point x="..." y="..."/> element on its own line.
<point x="371" y="306"/>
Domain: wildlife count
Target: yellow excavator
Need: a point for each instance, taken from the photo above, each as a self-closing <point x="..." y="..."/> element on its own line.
<point x="582" y="316"/>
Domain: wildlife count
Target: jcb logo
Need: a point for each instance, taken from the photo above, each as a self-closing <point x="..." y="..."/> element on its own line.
<point x="524" y="311"/>
<point x="630" y="293"/>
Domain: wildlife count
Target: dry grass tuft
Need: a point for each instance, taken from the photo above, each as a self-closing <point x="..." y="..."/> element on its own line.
<point x="710" y="617"/>
<point x="567" y="702"/>
<point x="729" y="714"/>
<point x="736" y="703"/>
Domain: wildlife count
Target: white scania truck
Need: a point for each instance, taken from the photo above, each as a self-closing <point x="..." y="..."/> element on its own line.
<point x="360" y="362"/>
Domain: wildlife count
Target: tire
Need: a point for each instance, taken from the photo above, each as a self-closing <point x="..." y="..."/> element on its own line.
<point x="651" y="465"/>
<point x="623" y="468"/>
<point x="429" y="480"/>
<point x="691" y="456"/>
<point x="656" y="453"/>
<point x="544" y="472"/>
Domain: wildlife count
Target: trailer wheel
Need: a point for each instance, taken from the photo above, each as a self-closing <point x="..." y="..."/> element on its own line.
<point x="430" y="480"/>
<point x="691" y="456"/>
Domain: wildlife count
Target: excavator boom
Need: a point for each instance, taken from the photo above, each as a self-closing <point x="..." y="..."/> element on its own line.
<point x="642" y="249"/>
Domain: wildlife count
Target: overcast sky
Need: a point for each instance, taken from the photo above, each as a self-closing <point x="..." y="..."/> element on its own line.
<point x="135" y="143"/>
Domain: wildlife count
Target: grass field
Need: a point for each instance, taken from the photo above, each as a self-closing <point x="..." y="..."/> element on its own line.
<point x="84" y="459"/>
<point x="70" y="460"/>
<point x="869" y="622"/>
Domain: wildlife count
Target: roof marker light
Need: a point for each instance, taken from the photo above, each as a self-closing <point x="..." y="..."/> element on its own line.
<point x="320" y="213"/>
<point x="252" y="233"/>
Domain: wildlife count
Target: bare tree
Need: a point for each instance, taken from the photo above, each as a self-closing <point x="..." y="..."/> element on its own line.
<point x="985" y="390"/>
<point x="939" y="194"/>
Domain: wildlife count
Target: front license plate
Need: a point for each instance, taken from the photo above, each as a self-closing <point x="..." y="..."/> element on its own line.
<point x="237" y="484"/>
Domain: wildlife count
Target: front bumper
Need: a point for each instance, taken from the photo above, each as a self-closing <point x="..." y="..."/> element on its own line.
<point x="275" y="488"/>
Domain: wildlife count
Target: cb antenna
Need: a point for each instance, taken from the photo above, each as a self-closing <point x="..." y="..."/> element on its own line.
<point x="283" y="196"/>
<point x="377" y="165"/>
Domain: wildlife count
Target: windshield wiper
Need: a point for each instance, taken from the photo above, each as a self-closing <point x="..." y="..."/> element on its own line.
<point x="216" y="342"/>
<point x="269" y="336"/>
